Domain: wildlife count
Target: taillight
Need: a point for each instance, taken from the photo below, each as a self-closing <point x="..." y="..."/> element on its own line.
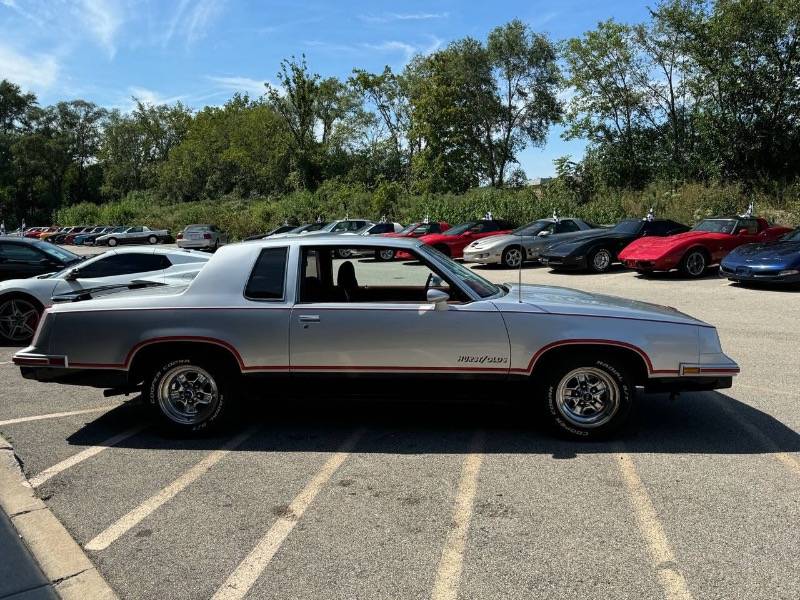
<point x="207" y="236"/>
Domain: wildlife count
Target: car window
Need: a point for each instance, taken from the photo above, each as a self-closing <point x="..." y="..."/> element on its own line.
<point x="566" y="226"/>
<point x="359" y="278"/>
<point x="658" y="228"/>
<point x="124" y="264"/>
<point x="19" y="252"/>
<point x="381" y="228"/>
<point x="484" y="227"/>
<point x="135" y="230"/>
<point x="267" y="279"/>
<point x="750" y="224"/>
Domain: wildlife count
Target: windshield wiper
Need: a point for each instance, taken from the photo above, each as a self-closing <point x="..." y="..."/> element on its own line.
<point x="89" y="293"/>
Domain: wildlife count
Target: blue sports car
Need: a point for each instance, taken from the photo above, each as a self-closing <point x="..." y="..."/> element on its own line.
<point x="774" y="262"/>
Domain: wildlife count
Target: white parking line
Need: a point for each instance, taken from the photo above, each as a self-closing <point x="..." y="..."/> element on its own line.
<point x="105" y="538"/>
<point x="448" y="575"/>
<point x="671" y="579"/>
<point x="89" y="452"/>
<point x="791" y="461"/>
<point x="57" y="415"/>
<point x="245" y="575"/>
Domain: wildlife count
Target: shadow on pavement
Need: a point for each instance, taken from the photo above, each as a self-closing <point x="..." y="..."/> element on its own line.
<point x="695" y="423"/>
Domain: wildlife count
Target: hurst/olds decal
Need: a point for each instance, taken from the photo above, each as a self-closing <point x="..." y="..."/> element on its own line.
<point x="484" y="360"/>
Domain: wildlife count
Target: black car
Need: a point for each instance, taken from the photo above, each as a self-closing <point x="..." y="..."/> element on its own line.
<point x="280" y="229"/>
<point x="596" y="250"/>
<point x="22" y="257"/>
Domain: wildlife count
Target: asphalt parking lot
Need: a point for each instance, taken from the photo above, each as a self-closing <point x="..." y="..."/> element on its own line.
<point x="326" y="498"/>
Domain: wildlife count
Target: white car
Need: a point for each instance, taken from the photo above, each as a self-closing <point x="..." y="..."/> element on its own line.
<point x="201" y="237"/>
<point x="22" y="301"/>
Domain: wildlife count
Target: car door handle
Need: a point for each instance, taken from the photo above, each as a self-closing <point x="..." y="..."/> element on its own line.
<point x="308" y="318"/>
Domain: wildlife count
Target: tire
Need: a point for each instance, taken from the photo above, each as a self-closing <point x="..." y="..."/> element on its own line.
<point x="112" y="242"/>
<point x="443" y="249"/>
<point x="694" y="263"/>
<point x="152" y="240"/>
<point x="191" y="415"/>
<point x="512" y="257"/>
<point x="384" y="255"/>
<point x="600" y="260"/>
<point x="19" y="317"/>
<point x="344" y="253"/>
<point x="215" y="247"/>
<point x="594" y="415"/>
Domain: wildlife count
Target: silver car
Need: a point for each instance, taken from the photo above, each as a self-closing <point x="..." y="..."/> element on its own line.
<point x="290" y="307"/>
<point x="133" y="235"/>
<point x="525" y="243"/>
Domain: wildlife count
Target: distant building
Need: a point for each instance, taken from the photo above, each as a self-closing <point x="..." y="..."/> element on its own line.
<point x="539" y="181"/>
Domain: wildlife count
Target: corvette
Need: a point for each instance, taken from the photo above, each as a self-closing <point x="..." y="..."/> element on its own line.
<point x="773" y="262"/>
<point x="705" y="245"/>
<point x="414" y="230"/>
<point x="453" y="241"/>
<point x="290" y="307"/>
<point x="596" y="250"/>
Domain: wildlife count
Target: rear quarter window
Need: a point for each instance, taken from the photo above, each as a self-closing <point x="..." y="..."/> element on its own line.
<point x="267" y="280"/>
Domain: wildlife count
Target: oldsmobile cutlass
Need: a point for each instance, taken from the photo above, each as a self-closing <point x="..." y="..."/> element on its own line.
<point x="292" y="307"/>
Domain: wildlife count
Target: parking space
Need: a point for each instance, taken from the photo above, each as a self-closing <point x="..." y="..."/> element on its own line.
<point x="421" y="498"/>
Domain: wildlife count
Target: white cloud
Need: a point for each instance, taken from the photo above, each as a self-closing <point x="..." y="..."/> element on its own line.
<point x="103" y="19"/>
<point x="252" y="87"/>
<point x="193" y="21"/>
<point x="408" y="50"/>
<point x="388" y="17"/>
<point x="30" y="72"/>
<point x="147" y="96"/>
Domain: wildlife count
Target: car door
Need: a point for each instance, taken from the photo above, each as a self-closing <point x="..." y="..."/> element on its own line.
<point x="116" y="268"/>
<point x="20" y="260"/>
<point x="384" y="324"/>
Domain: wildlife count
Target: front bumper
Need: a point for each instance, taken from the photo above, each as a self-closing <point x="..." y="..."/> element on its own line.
<point x="648" y="265"/>
<point x="761" y="275"/>
<point x="563" y="262"/>
<point x="485" y="257"/>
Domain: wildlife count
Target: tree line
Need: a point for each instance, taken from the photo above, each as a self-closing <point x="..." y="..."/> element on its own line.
<point x="701" y="91"/>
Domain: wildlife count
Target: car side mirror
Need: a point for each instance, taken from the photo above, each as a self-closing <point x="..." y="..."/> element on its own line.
<point x="72" y="275"/>
<point x="544" y="233"/>
<point x="438" y="298"/>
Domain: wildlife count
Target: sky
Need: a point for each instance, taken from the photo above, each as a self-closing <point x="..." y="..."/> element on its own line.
<point x="202" y="51"/>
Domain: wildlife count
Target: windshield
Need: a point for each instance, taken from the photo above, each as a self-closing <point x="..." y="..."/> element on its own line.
<point x="468" y="277"/>
<point x="792" y="236"/>
<point x="459" y="229"/>
<point x="532" y="228"/>
<point x="716" y="225"/>
<point x="628" y="226"/>
<point x="409" y="229"/>
<point x="57" y="252"/>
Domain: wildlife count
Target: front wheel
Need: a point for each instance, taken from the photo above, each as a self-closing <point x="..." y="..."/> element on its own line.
<point x="112" y="242"/>
<point x="19" y="317"/>
<point x="600" y="260"/>
<point x="694" y="264"/>
<point x="152" y="240"/>
<point x="588" y="397"/>
<point x="385" y="254"/>
<point x="512" y="257"/>
<point x="190" y="395"/>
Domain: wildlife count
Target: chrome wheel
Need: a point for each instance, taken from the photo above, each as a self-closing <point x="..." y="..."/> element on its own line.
<point x="152" y="239"/>
<point x="512" y="257"/>
<point x="386" y="254"/>
<point x="344" y="253"/>
<point x="601" y="260"/>
<point x="112" y="242"/>
<point x="587" y="397"/>
<point x="18" y="319"/>
<point x="695" y="264"/>
<point x="187" y="394"/>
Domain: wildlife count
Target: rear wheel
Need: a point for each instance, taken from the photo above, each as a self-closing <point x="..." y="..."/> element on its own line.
<point x="600" y="260"/>
<point x="512" y="257"/>
<point x="344" y="253"/>
<point x="152" y="240"/>
<point x="385" y="254"/>
<point x="19" y="317"/>
<point x="694" y="264"/>
<point x="112" y="242"/>
<point x="588" y="397"/>
<point x="190" y="395"/>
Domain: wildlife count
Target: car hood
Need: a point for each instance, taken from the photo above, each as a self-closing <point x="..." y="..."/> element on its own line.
<point x="433" y="238"/>
<point x="773" y="251"/>
<point x="508" y="238"/>
<point x="567" y="301"/>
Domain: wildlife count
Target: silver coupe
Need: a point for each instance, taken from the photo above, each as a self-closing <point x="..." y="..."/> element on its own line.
<point x="525" y="243"/>
<point x="291" y="307"/>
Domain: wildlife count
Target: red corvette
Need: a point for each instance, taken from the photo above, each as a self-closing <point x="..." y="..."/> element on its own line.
<point x="414" y="230"/>
<point x="694" y="251"/>
<point x="453" y="241"/>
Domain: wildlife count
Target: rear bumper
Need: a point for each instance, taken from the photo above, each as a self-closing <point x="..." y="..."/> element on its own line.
<point x="194" y="244"/>
<point x="49" y="368"/>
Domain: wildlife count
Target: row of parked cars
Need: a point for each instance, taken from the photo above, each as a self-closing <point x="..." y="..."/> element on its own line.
<point x="98" y="235"/>
<point x="746" y="248"/>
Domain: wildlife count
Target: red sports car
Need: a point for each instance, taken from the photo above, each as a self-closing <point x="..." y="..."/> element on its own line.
<point x="413" y="230"/>
<point x="694" y="251"/>
<point x="453" y="241"/>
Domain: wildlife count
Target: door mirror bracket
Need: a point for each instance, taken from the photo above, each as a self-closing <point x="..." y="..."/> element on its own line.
<point x="438" y="298"/>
